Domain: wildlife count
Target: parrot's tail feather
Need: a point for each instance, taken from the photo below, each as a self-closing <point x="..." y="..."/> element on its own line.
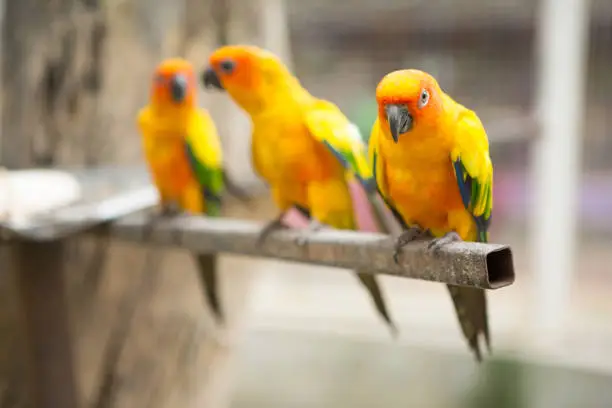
<point x="471" y="307"/>
<point x="401" y="225"/>
<point x="369" y="281"/>
<point x="383" y="222"/>
<point x="234" y="190"/>
<point x="207" y="274"/>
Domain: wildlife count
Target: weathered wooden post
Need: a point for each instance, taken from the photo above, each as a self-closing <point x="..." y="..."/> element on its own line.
<point x="69" y="99"/>
<point x="40" y="278"/>
<point x="50" y="57"/>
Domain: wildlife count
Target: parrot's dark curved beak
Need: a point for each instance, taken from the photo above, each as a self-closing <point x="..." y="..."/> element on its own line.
<point x="400" y="120"/>
<point x="178" y="88"/>
<point x="210" y="79"/>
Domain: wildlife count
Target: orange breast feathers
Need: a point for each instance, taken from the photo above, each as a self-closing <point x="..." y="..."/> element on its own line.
<point x="420" y="178"/>
<point x="424" y="195"/>
<point x="169" y="165"/>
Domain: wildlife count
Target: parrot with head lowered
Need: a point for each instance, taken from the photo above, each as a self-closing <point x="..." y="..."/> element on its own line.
<point x="304" y="147"/>
<point x="430" y="157"/>
<point x="183" y="153"/>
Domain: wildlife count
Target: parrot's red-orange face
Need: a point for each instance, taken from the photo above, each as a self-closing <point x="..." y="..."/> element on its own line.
<point x="407" y="99"/>
<point x="174" y="82"/>
<point x="246" y="72"/>
<point x="249" y="74"/>
<point x="234" y="66"/>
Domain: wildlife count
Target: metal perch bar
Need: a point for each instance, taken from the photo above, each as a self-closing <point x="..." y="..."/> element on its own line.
<point x="487" y="266"/>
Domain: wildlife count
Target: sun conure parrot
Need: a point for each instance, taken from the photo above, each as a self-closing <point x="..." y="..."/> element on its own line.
<point x="431" y="163"/>
<point x="184" y="156"/>
<point x="304" y="147"/>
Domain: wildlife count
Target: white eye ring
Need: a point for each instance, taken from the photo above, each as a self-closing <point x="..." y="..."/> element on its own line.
<point x="423" y="99"/>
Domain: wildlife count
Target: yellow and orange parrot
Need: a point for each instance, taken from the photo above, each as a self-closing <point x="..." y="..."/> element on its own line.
<point x="431" y="162"/>
<point x="304" y="147"/>
<point x="183" y="152"/>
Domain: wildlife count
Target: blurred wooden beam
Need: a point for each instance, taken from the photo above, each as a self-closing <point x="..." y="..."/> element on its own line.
<point x="487" y="266"/>
<point x="50" y="78"/>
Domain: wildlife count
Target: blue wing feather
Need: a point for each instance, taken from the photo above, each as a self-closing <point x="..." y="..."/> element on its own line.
<point x="464" y="183"/>
<point x="336" y="153"/>
<point x="368" y="184"/>
<point x="467" y="186"/>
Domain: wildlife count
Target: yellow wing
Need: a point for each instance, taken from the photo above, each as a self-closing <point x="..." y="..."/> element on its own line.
<point x="203" y="149"/>
<point x="204" y="140"/>
<point x="328" y="125"/>
<point x="377" y="161"/>
<point x="474" y="169"/>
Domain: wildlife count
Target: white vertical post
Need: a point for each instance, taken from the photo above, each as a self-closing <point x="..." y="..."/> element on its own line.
<point x="275" y="29"/>
<point x="562" y="51"/>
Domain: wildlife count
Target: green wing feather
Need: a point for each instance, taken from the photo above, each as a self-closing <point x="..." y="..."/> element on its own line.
<point x="474" y="170"/>
<point x="204" y="152"/>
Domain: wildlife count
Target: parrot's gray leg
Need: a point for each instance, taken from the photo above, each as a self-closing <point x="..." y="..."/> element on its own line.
<point x="274" y="225"/>
<point x="406" y="237"/>
<point x="437" y="243"/>
<point x="165" y="210"/>
<point x="161" y="212"/>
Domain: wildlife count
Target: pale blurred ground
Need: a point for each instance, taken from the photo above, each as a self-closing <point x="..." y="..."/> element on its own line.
<point x="329" y="372"/>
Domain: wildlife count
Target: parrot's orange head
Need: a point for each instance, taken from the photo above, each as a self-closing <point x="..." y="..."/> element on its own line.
<point x="407" y="100"/>
<point x="174" y="83"/>
<point x="247" y="73"/>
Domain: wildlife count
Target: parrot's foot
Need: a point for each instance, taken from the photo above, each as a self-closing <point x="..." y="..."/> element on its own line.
<point x="162" y="212"/>
<point x="165" y="211"/>
<point x="436" y="244"/>
<point x="274" y="225"/>
<point x="313" y="226"/>
<point x="406" y="237"/>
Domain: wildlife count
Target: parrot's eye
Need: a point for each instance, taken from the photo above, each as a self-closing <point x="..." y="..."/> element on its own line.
<point x="423" y="99"/>
<point x="227" y="66"/>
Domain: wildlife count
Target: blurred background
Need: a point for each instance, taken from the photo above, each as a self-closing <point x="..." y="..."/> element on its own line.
<point x="75" y="72"/>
